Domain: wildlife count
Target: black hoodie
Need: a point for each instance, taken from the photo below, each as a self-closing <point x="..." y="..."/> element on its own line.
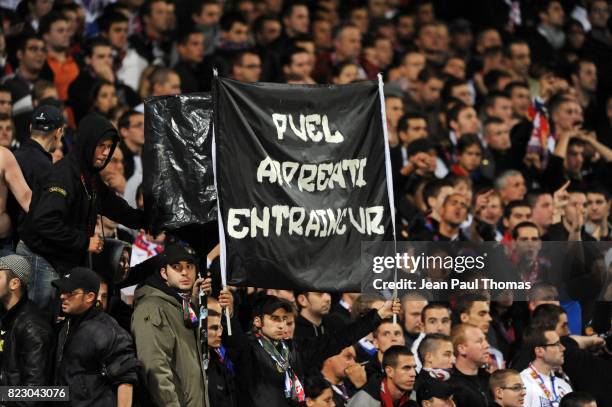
<point x="64" y="210"/>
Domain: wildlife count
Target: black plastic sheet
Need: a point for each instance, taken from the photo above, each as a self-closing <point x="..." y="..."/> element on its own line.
<point x="283" y="226"/>
<point x="178" y="181"/>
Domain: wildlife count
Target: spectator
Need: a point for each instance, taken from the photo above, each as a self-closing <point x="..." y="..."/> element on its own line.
<point x="30" y="55"/>
<point x="598" y="212"/>
<point x="160" y="332"/>
<point x="131" y="131"/>
<point x="34" y="155"/>
<point x="507" y="388"/>
<point x="396" y="385"/>
<point x="112" y="350"/>
<point x="347" y="48"/>
<point x="436" y="355"/>
<point x="511" y="186"/>
<point x="99" y="67"/>
<point x="471" y="352"/>
<point x="547" y="39"/>
<point x="152" y="43"/>
<point x="58" y="231"/>
<point x="412" y="307"/>
<point x="515" y="212"/>
<point x="578" y="399"/>
<point x="262" y="380"/>
<point x="27" y="337"/>
<point x="434" y="394"/>
<point x="205" y="15"/>
<point x="313" y="308"/>
<point x="7" y="132"/>
<point x="54" y="30"/>
<point x="103" y="98"/>
<point x="344" y="375"/>
<point x="6" y="101"/>
<point x="540" y="378"/>
<point x="344" y="73"/>
<point x="542" y="209"/>
<point x="386" y="335"/>
<point x="296" y="63"/>
<point x="394" y="109"/>
<point x="519" y="98"/>
<point x="191" y="54"/>
<point x="318" y="392"/>
<point x="128" y="65"/>
<point x="519" y="60"/>
<point x="246" y="66"/>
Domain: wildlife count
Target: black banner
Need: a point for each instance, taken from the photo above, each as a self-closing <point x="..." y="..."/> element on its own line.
<point x="302" y="181"/>
<point x="178" y="181"/>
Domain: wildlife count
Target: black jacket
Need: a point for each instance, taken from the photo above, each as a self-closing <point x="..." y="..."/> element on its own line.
<point x="221" y="383"/>
<point x="258" y="376"/>
<point x="26" y="356"/>
<point x="35" y="162"/>
<point x="64" y="211"/>
<point x="94" y="356"/>
<point x="588" y="372"/>
<point x="36" y="165"/>
<point x="474" y="389"/>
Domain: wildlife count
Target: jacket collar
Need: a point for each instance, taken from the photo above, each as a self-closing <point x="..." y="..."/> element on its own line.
<point x="29" y="143"/>
<point x="9" y="316"/>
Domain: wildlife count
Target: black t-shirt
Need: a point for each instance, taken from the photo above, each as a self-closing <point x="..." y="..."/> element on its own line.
<point x="474" y="390"/>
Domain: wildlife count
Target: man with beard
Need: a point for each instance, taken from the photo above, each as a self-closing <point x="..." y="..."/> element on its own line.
<point x="167" y="341"/>
<point x="26" y="337"/>
<point x="313" y="308"/>
<point x="396" y="386"/>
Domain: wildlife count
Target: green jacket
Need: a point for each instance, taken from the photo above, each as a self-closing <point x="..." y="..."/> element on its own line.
<point x="168" y="350"/>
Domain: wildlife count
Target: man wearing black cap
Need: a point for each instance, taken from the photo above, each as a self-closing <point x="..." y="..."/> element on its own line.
<point x="164" y="325"/>
<point x="34" y="154"/>
<point x="435" y="394"/>
<point x="271" y="370"/>
<point x="26" y="337"/>
<point x="58" y="232"/>
<point x="95" y="357"/>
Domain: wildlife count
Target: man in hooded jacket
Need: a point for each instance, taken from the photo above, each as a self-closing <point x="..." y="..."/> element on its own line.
<point x="58" y="232"/>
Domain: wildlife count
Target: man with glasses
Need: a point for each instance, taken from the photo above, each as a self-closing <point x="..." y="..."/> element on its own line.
<point x="164" y="325"/>
<point x="544" y="386"/>
<point x="246" y="66"/>
<point x="95" y="357"/>
<point x="31" y="54"/>
<point x="507" y="388"/>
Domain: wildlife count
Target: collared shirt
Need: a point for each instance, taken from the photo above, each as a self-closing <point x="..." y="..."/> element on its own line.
<point x="64" y="73"/>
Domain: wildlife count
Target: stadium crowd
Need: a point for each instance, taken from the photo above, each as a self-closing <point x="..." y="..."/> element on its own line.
<point x="499" y="117"/>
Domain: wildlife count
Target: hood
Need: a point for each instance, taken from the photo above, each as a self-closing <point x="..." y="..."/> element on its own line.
<point x="156" y="286"/>
<point x="107" y="262"/>
<point x="93" y="128"/>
